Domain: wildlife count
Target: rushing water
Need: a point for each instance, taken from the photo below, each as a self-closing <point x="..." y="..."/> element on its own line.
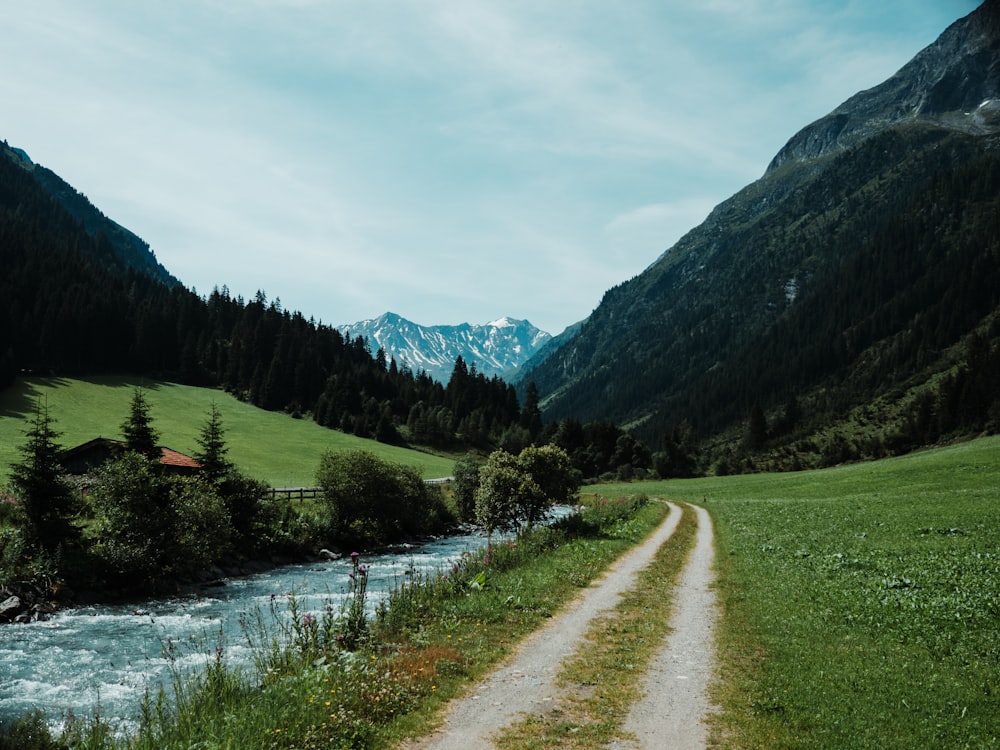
<point x="92" y="659"/>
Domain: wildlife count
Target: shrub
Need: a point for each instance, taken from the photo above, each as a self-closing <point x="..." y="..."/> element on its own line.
<point x="135" y="522"/>
<point x="368" y="499"/>
<point x="12" y="554"/>
<point x="245" y="501"/>
<point x="11" y="511"/>
<point x="201" y="533"/>
<point x="466" y="481"/>
<point x="29" y="732"/>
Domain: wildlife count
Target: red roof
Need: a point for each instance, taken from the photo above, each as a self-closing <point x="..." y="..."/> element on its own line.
<point x="170" y="457"/>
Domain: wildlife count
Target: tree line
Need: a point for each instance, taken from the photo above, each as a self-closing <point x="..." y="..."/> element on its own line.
<point x="70" y="305"/>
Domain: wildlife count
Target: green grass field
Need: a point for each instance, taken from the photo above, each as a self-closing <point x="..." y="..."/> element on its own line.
<point x="860" y="605"/>
<point x="269" y="446"/>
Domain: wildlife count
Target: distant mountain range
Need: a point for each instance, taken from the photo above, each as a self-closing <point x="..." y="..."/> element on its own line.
<point x="496" y="348"/>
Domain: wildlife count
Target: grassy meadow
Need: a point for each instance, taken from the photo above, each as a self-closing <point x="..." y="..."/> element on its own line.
<point x="860" y="605"/>
<point x="269" y="446"/>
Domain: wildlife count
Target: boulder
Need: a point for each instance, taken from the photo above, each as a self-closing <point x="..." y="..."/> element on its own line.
<point x="10" y="608"/>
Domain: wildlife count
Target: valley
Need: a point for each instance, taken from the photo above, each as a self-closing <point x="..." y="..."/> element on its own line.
<point x="806" y="386"/>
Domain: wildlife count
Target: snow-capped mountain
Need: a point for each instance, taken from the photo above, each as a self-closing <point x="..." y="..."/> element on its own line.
<point x="495" y="348"/>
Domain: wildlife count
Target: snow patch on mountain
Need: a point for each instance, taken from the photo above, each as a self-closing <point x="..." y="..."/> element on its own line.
<point x="499" y="347"/>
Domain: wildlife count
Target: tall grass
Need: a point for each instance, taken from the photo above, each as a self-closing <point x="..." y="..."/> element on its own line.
<point x="860" y="605"/>
<point x="313" y="687"/>
<point x="269" y="446"/>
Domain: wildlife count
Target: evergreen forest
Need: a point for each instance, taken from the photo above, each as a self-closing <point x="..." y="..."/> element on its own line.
<point x="850" y="305"/>
<point x="75" y="302"/>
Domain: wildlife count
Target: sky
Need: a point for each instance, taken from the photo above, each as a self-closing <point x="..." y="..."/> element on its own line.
<point x="447" y="160"/>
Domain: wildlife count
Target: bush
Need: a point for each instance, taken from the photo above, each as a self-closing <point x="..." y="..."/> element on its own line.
<point x="29" y="732"/>
<point x="371" y="500"/>
<point x="11" y="512"/>
<point x="12" y="554"/>
<point x="201" y="534"/>
<point x="150" y="526"/>
<point x="466" y="481"/>
<point x="282" y="529"/>
<point x="245" y="502"/>
<point x="135" y="522"/>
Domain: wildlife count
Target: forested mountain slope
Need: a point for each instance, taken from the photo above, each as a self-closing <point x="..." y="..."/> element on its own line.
<point x="34" y="190"/>
<point x="80" y="295"/>
<point x="857" y="266"/>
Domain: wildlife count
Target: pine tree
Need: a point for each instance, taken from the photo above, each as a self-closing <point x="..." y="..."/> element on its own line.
<point x="757" y="430"/>
<point x="49" y="501"/>
<point x="531" y="414"/>
<point x="138" y="430"/>
<point x="212" y="456"/>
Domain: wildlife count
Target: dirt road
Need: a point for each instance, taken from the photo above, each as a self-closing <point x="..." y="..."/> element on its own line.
<point x="525" y="683"/>
<point x="672" y="714"/>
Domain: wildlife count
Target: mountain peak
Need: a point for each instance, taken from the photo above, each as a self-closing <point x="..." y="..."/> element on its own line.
<point x="946" y="84"/>
<point x="495" y="348"/>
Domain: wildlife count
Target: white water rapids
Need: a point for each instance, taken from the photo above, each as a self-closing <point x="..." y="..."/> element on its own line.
<point x="102" y="658"/>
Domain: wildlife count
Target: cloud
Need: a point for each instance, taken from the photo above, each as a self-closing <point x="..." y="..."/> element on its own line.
<point x="455" y="159"/>
<point x="640" y="235"/>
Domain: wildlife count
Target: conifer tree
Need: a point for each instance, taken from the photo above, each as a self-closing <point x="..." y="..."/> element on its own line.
<point x="48" y="500"/>
<point x="212" y="456"/>
<point x="531" y="414"/>
<point x="138" y="429"/>
<point x="757" y="430"/>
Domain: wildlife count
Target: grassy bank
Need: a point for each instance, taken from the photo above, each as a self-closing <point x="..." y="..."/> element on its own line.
<point x="859" y="604"/>
<point x="269" y="446"/>
<point x="435" y="637"/>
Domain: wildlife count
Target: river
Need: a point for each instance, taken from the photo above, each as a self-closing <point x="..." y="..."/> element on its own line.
<point x="101" y="659"/>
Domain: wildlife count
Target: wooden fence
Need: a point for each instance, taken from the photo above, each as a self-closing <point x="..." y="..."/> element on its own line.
<point x="315" y="493"/>
<point x="296" y="493"/>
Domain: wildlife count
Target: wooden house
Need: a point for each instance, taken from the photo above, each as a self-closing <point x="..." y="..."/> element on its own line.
<point x="88" y="456"/>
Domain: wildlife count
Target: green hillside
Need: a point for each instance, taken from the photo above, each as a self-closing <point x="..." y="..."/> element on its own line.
<point x="269" y="446"/>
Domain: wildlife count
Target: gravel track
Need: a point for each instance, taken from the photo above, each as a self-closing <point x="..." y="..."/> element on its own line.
<point x="525" y="683"/>
<point x="676" y="704"/>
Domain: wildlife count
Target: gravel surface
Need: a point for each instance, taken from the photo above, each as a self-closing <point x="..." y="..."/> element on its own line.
<point x="676" y="703"/>
<point x="525" y="683"/>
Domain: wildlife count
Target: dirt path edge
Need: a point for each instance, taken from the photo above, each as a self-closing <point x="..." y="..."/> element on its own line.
<point x="673" y="713"/>
<point x="524" y="684"/>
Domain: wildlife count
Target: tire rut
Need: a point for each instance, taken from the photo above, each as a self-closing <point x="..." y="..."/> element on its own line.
<point x="524" y="685"/>
<point x="673" y="713"/>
